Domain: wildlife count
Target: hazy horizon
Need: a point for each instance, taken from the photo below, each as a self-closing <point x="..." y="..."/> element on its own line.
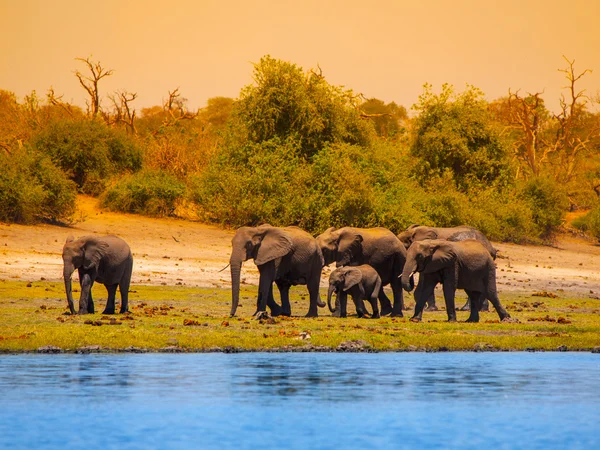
<point x="383" y="49"/>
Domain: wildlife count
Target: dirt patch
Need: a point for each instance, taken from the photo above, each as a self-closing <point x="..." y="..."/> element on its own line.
<point x="179" y="252"/>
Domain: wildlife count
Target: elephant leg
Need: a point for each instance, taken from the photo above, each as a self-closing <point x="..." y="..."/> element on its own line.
<point x="284" y="294"/>
<point x="396" y="285"/>
<point x="110" y="303"/>
<point x="86" y="283"/>
<point x="424" y="290"/>
<point x="265" y="285"/>
<point x="91" y="308"/>
<point x="343" y="296"/>
<point x="124" y="290"/>
<point x="485" y="305"/>
<point x="431" y="306"/>
<point x="475" y="299"/>
<point x="466" y="306"/>
<point x="430" y="301"/>
<point x="374" y="307"/>
<point x="315" y="296"/>
<point x="386" y="305"/>
<point x="359" y="305"/>
<point x="449" y="294"/>
<point x="502" y="313"/>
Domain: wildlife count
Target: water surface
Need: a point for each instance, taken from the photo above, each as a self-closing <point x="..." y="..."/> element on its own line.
<point x="300" y="401"/>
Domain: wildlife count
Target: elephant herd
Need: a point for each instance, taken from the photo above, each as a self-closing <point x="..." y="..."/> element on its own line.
<point x="367" y="259"/>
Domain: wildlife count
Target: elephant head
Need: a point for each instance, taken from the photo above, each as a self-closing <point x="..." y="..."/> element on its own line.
<point x="341" y="245"/>
<point x="426" y="256"/>
<point x="342" y="279"/>
<point x="86" y="253"/>
<point x="263" y="244"/>
<point x="416" y="233"/>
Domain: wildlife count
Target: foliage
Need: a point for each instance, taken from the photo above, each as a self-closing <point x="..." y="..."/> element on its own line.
<point x="284" y="102"/>
<point x="453" y="134"/>
<point x="589" y="223"/>
<point x="388" y="119"/>
<point x="149" y="192"/>
<point x="547" y="202"/>
<point x="89" y="151"/>
<point x="33" y="189"/>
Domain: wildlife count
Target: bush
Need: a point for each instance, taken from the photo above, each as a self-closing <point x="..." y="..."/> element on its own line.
<point x="548" y="203"/>
<point x="149" y="192"/>
<point x="589" y="223"/>
<point x="33" y="189"/>
<point x="89" y="152"/>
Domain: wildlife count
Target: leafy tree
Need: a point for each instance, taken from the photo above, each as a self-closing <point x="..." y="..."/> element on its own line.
<point x="389" y="119"/>
<point x="285" y="102"/>
<point x="89" y="151"/>
<point x="33" y="189"/>
<point x="454" y="133"/>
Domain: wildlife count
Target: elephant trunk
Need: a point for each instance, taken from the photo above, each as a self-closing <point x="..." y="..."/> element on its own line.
<point x="67" y="272"/>
<point x="236" y="267"/>
<point x="329" y="295"/>
<point x="408" y="281"/>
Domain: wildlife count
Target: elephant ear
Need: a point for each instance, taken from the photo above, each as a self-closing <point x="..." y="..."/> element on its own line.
<point x="352" y="278"/>
<point x="349" y="244"/>
<point x="443" y="256"/>
<point x="424" y="233"/>
<point x="94" y="251"/>
<point x="275" y="244"/>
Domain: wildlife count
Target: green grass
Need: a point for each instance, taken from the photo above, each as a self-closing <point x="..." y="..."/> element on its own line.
<point x="35" y="314"/>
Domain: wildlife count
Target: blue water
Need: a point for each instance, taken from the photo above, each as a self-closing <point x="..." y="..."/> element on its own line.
<point x="300" y="401"/>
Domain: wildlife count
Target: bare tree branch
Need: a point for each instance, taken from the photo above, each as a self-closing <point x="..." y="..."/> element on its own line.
<point x="90" y="83"/>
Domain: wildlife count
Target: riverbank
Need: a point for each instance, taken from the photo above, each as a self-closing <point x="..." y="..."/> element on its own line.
<point x="189" y="319"/>
<point x="180" y="299"/>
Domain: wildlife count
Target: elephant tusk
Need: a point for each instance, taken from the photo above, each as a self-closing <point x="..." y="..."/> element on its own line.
<point x="224" y="268"/>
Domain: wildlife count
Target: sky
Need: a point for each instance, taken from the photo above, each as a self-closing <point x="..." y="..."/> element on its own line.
<point x="385" y="49"/>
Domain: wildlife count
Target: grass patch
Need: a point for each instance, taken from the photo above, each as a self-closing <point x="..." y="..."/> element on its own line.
<point x="196" y="319"/>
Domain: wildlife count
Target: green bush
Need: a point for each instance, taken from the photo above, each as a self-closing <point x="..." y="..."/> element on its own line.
<point x="33" y="189"/>
<point x="89" y="152"/>
<point x="589" y="223"/>
<point x="547" y="202"/>
<point x="149" y="192"/>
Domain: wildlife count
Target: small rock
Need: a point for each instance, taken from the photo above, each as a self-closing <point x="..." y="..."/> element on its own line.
<point x="562" y="348"/>
<point x="49" y="349"/>
<point x="89" y="349"/>
<point x="596" y="350"/>
<point x="354" y="346"/>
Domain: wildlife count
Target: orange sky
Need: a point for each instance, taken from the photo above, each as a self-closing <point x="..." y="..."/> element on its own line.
<point x="385" y="49"/>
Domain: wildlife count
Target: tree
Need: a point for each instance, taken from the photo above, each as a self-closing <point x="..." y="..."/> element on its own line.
<point x="90" y="83"/>
<point x="284" y="102"/>
<point x="454" y="136"/>
<point x="389" y="119"/>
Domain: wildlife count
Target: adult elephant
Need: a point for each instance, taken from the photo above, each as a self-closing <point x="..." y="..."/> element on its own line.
<point x="464" y="265"/>
<point x="287" y="256"/>
<point x="105" y="259"/>
<point x="419" y="233"/>
<point x="378" y="247"/>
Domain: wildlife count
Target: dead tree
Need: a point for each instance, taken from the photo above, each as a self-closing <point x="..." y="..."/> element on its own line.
<point x="123" y="113"/>
<point x="90" y="83"/>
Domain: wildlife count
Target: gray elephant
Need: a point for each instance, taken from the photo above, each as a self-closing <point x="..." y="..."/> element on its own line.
<point x="105" y="259"/>
<point x="455" y="234"/>
<point x="378" y="247"/>
<point x="464" y="265"/>
<point x="361" y="282"/>
<point x="287" y="256"/>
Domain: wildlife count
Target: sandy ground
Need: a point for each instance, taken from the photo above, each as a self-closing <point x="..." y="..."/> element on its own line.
<point x="178" y="252"/>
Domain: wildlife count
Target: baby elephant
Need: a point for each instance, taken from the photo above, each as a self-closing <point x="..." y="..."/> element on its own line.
<point x="361" y="282"/>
